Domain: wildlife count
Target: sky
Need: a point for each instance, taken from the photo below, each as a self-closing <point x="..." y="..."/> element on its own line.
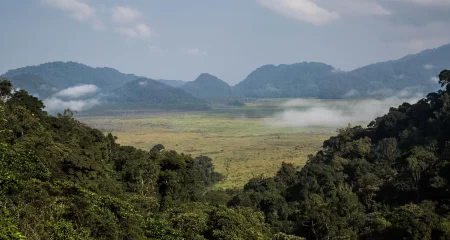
<point x="179" y="39"/>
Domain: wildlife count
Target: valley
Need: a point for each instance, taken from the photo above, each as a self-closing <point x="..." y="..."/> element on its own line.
<point x="225" y="120"/>
<point x="240" y="140"/>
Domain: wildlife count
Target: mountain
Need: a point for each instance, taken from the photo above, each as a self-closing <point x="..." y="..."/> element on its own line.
<point x="409" y="75"/>
<point x="33" y="84"/>
<point x="415" y="73"/>
<point x="296" y="80"/>
<point x="207" y="86"/>
<point x="172" y="83"/>
<point x="415" y="70"/>
<point x="149" y="93"/>
<point x="66" y="74"/>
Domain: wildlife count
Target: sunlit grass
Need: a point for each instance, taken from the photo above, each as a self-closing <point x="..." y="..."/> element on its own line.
<point x="239" y="141"/>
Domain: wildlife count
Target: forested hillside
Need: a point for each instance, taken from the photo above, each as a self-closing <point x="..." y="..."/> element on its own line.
<point x="415" y="72"/>
<point x="60" y="179"/>
<point x="148" y="93"/>
<point x="67" y="74"/>
<point x="34" y="84"/>
<point x="295" y="80"/>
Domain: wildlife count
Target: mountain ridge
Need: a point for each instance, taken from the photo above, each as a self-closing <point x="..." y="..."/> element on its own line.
<point x="304" y="79"/>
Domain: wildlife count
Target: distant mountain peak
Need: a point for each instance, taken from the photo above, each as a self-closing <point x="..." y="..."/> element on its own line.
<point x="208" y="78"/>
<point x="208" y="86"/>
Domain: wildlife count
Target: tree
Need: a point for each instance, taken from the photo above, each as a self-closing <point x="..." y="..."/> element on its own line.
<point x="444" y="78"/>
<point x="419" y="161"/>
<point x="5" y="89"/>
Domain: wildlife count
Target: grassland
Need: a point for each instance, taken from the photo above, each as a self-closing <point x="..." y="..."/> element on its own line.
<point x="238" y="139"/>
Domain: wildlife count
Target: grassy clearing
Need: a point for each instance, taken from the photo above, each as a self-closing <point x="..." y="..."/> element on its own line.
<point x="238" y="139"/>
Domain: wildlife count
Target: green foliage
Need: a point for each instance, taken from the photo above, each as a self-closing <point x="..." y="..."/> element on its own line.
<point x="5" y="89"/>
<point x="387" y="181"/>
<point x="8" y="229"/>
<point x="60" y="179"/>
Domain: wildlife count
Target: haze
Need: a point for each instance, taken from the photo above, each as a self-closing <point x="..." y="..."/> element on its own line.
<point x="181" y="39"/>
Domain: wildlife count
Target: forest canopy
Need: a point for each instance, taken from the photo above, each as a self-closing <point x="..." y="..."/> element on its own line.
<point x="60" y="179"/>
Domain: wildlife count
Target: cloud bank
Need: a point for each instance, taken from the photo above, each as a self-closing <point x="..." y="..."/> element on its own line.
<point x="318" y="113"/>
<point x="77" y="98"/>
<point x="140" y="30"/>
<point x="122" y="14"/>
<point x="303" y="10"/>
<point x="78" y="10"/>
<point x="78" y="91"/>
<point x="54" y="104"/>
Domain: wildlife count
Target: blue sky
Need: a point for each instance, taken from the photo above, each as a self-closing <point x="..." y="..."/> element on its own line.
<point x="179" y="39"/>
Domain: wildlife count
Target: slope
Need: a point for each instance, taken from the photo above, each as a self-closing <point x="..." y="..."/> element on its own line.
<point x="67" y="74"/>
<point x="149" y="93"/>
<point x="207" y="86"/>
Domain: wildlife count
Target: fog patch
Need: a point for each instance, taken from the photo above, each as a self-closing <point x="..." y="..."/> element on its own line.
<point x="340" y="113"/>
<point x="337" y="70"/>
<point x="54" y="104"/>
<point x="351" y="93"/>
<point x="78" y="91"/>
<point x="398" y="77"/>
<point x="77" y="98"/>
<point x="383" y="92"/>
<point x="143" y="83"/>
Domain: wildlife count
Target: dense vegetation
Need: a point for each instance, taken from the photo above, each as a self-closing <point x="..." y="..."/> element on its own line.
<point x="34" y="84"/>
<point x="387" y="181"/>
<point x="60" y="179"/>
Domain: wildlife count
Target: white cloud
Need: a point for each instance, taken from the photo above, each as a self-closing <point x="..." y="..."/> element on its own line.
<point x="351" y="93"/>
<point x="194" y="52"/>
<point x="434" y="79"/>
<point x="302" y="10"/>
<point x="78" y="91"/>
<point x="143" y="30"/>
<point x="54" y="104"/>
<point x="122" y="14"/>
<point x="127" y="32"/>
<point x="77" y="9"/>
<point x="337" y="70"/>
<point x="319" y="113"/>
<point x="355" y="7"/>
<point x="143" y="83"/>
<point x="140" y="30"/>
<point x="429" y="66"/>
